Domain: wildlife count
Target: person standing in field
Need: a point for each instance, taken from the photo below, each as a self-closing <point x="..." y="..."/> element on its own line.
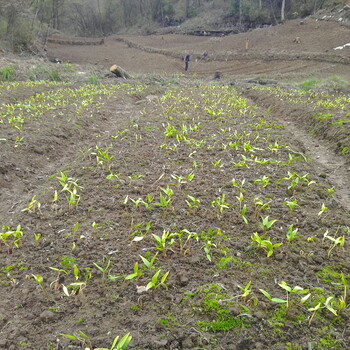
<point x="187" y="60"/>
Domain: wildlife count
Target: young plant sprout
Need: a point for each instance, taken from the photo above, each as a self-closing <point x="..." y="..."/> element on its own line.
<point x="323" y="209"/>
<point x="149" y="263"/>
<point x="117" y="344"/>
<point x="267" y="224"/>
<point x="265" y="243"/>
<point x="11" y="237"/>
<point x="105" y="268"/>
<point x="246" y="290"/>
<point x="292" y="233"/>
<point x="82" y="338"/>
<point x="164" y="242"/>
<point x="154" y="281"/>
<point x="137" y="272"/>
<point x="33" y="206"/>
<point x="336" y="241"/>
<point x="263" y="181"/>
<point x="260" y="205"/>
<point x="193" y="203"/>
<point x="220" y="205"/>
<point x="292" y="204"/>
<point x="296" y="290"/>
<point x="40" y="280"/>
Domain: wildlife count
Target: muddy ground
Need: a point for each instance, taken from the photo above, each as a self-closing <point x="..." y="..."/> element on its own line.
<point x="94" y="173"/>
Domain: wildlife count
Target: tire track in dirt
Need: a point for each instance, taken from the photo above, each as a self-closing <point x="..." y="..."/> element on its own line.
<point x="325" y="160"/>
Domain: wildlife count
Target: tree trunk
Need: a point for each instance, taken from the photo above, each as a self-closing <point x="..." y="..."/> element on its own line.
<point x="282" y="10"/>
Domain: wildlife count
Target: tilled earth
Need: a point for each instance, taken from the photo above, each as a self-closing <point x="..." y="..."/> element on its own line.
<point x="181" y="172"/>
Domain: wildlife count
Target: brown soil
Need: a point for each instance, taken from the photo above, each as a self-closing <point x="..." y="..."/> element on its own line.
<point x="110" y="140"/>
<point x="271" y="52"/>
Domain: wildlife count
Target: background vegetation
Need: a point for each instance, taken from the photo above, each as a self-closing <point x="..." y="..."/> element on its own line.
<point x="23" y="21"/>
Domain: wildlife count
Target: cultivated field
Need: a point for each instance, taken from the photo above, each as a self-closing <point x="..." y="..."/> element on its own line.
<point x="176" y="210"/>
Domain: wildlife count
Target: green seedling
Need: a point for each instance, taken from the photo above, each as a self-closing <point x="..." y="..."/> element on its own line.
<point x="291" y="204"/>
<point x="319" y="306"/>
<point x="265" y="244"/>
<point x="164" y="242"/>
<point x="240" y="199"/>
<point x="11" y="237"/>
<point x="183" y="244"/>
<point x="33" y="206"/>
<point x="207" y="249"/>
<point x="37" y="237"/>
<point x="137" y="273"/>
<point x="102" y="156"/>
<point x="193" y="203"/>
<point x="263" y="181"/>
<point x="292" y="233"/>
<point x="117" y="344"/>
<point x="275" y="300"/>
<point x="82" y="338"/>
<point x="77" y="288"/>
<point x="168" y="191"/>
<point x="154" y="281"/>
<point x="149" y="263"/>
<point x="164" y="202"/>
<point x="246" y="290"/>
<point x="330" y="191"/>
<point x="220" y="205"/>
<point x="260" y="205"/>
<point x="170" y="131"/>
<point x="243" y="214"/>
<point x="40" y="280"/>
<point x="323" y="209"/>
<point x="179" y="179"/>
<point x="336" y="241"/>
<point x="105" y="268"/>
<point x="296" y="290"/>
<point x="218" y="163"/>
<point x="267" y="224"/>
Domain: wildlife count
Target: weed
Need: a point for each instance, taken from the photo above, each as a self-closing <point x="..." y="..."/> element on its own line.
<point x="6" y="73"/>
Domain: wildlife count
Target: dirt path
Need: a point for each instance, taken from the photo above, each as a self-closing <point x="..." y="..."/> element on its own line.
<point x="327" y="163"/>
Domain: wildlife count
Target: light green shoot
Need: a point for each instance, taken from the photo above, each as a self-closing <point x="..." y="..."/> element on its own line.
<point x="260" y="205"/>
<point x="149" y="263"/>
<point x="237" y="185"/>
<point x="288" y="289"/>
<point x="76" y="271"/>
<point x="330" y="191"/>
<point x="137" y="272"/>
<point x="119" y="344"/>
<point x="246" y="290"/>
<point x="265" y="244"/>
<point x="263" y="181"/>
<point x="164" y="242"/>
<point x="275" y="300"/>
<point x="267" y="223"/>
<point x="323" y="209"/>
<point x="292" y="233"/>
<point x="154" y="281"/>
<point x="82" y="338"/>
<point x="291" y="204"/>
<point x="220" y="204"/>
<point x="105" y="268"/>
<point x="33" y="206"/>
<point x="11" y="237"/>
<point x="37" y="237"/>
<point x="168" y="191"/>
<point x="193" y="202"/>
<point x="336" y="241"/>
<point x="243" y="214"/>
<point x="40" y="280"/>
